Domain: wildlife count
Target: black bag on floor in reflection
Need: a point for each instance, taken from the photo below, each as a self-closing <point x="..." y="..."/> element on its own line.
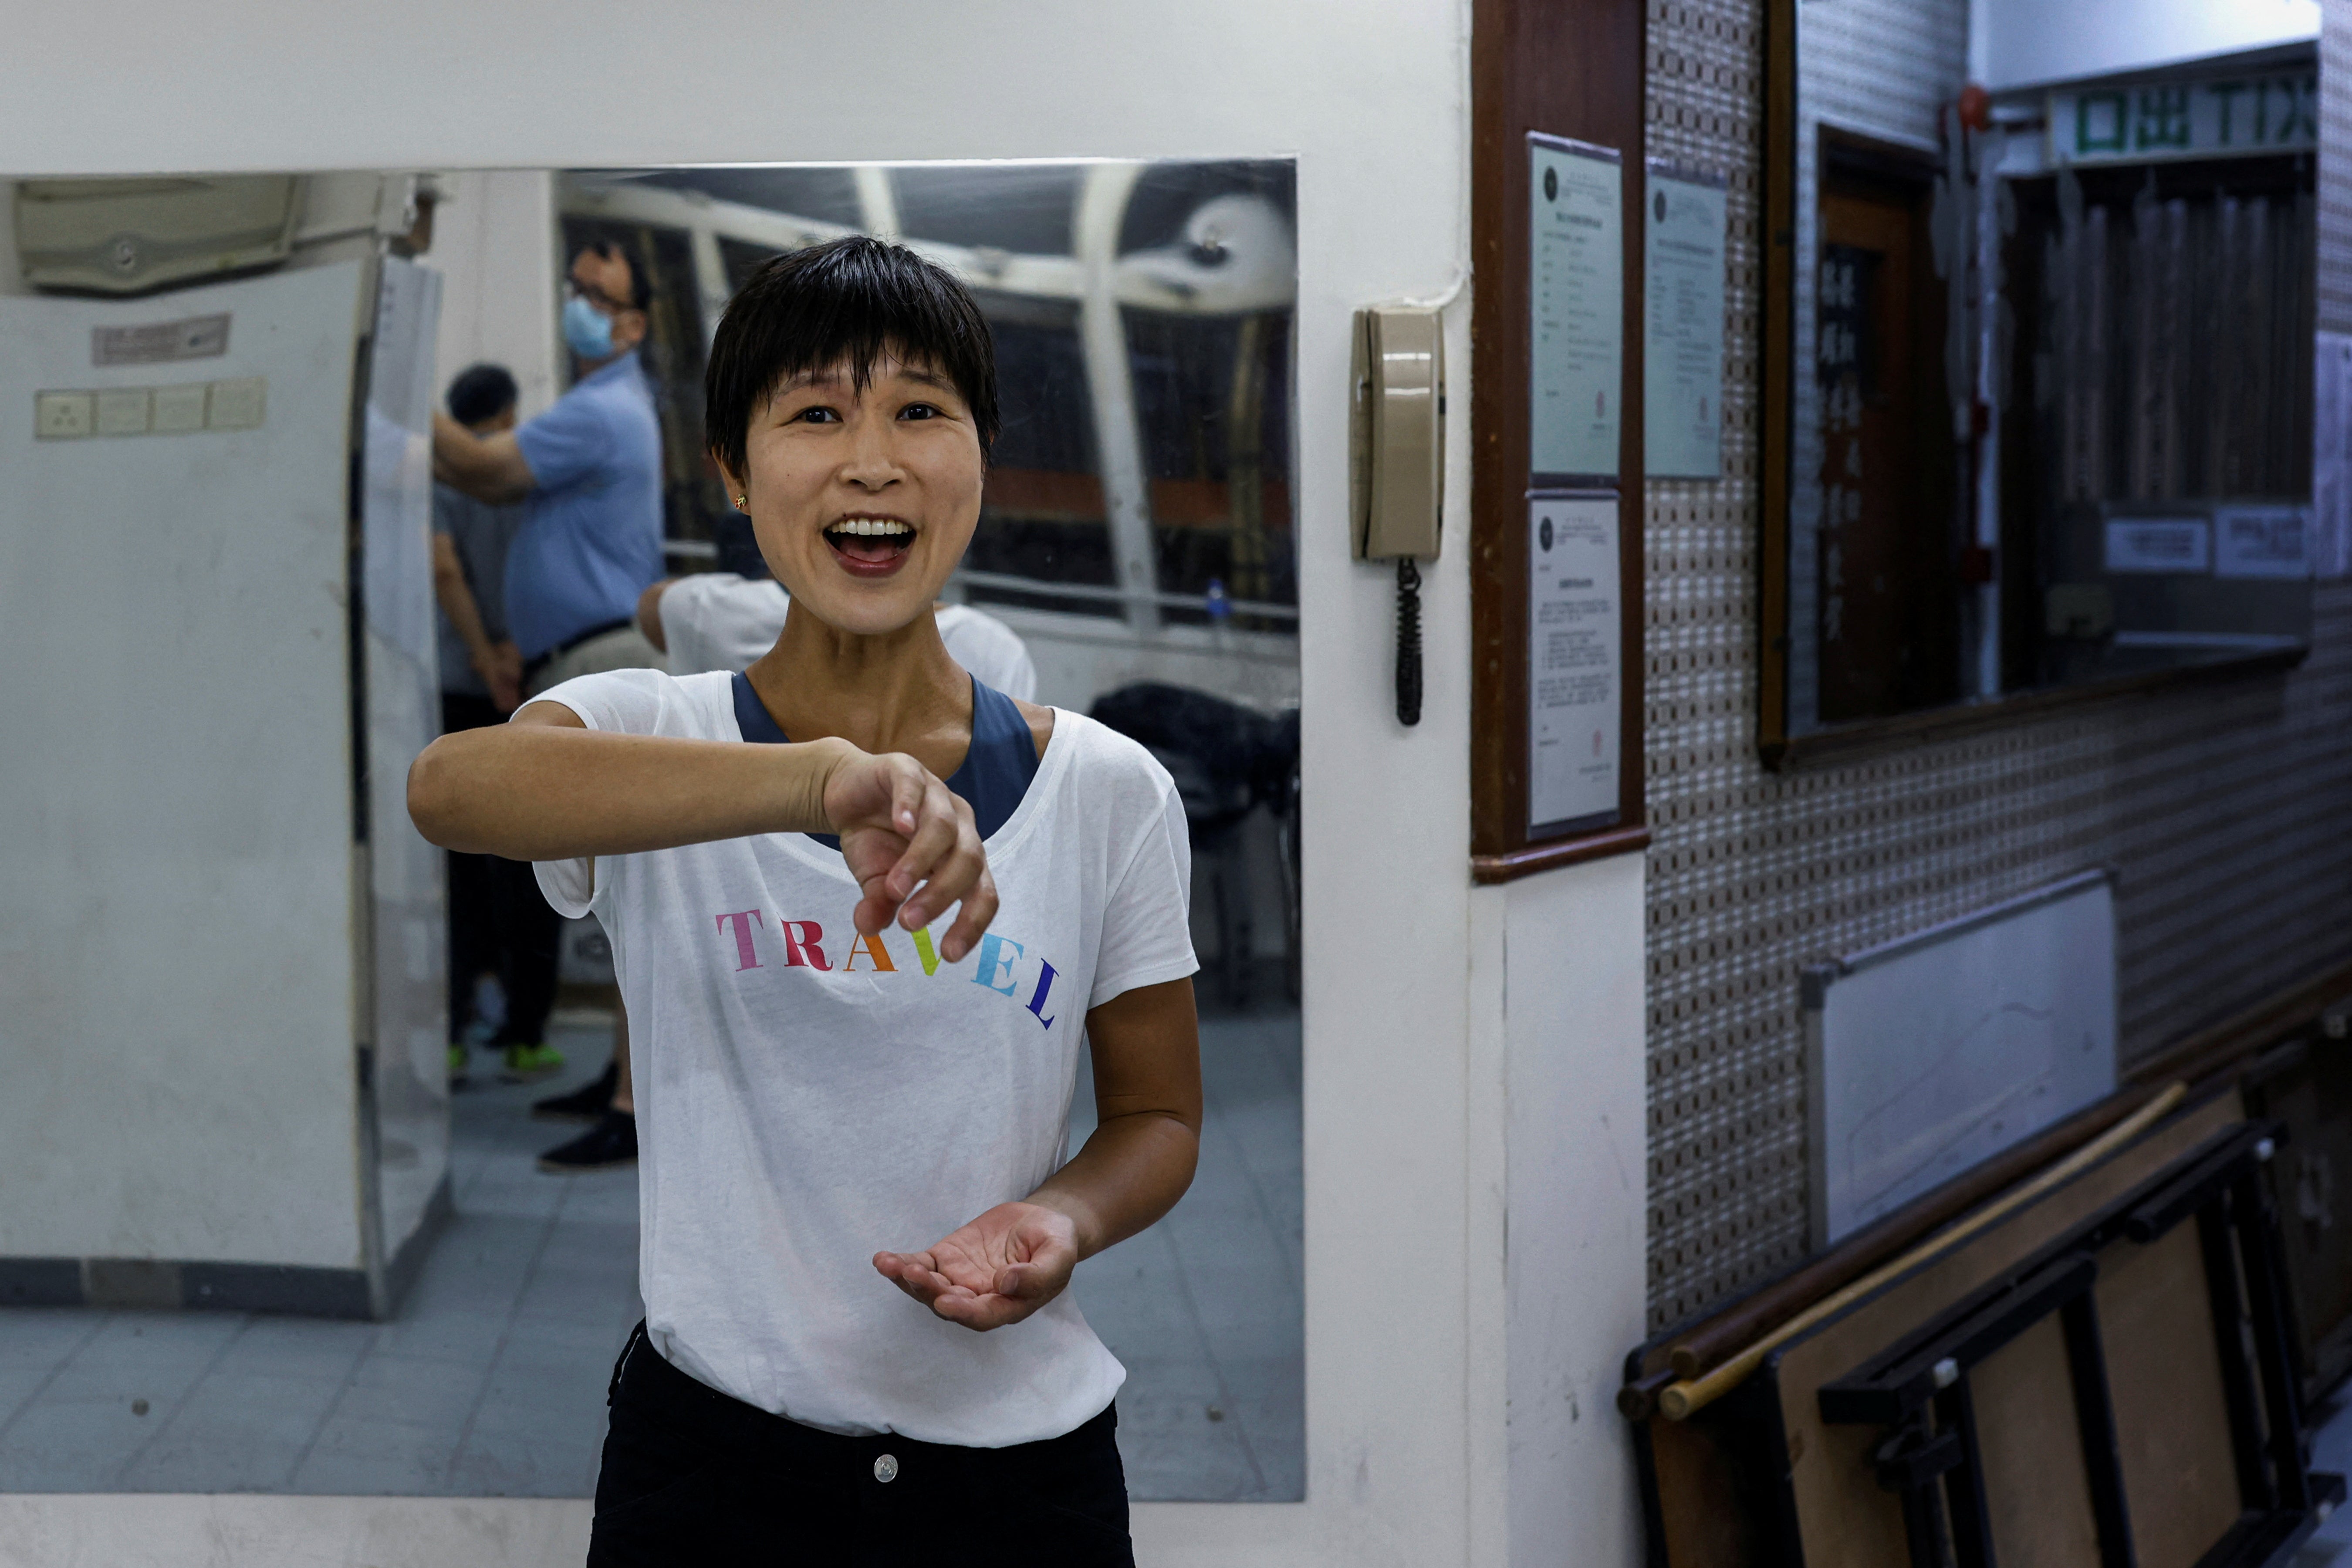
<point x="1226" y="760"/>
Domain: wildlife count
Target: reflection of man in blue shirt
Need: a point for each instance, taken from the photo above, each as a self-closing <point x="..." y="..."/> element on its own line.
<point x="589" y="473"/>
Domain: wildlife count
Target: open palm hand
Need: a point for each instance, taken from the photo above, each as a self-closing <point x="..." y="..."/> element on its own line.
<point x="995" y="1271"/>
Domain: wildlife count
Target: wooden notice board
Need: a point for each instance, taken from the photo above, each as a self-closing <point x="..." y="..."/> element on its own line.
<point x="1571" y="70"/>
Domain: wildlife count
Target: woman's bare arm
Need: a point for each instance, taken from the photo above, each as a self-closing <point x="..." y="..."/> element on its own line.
<point x="1147" y="1059"/>
<point x="1017" y="1256"/>
<point x="547" y="787"/>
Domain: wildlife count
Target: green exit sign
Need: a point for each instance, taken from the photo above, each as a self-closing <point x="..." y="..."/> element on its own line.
<point x="2224" y="117"/>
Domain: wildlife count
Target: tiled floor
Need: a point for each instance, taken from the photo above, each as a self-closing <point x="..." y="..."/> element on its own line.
<point x="1207" y="1307"/>
<point x="491" y="1381"/>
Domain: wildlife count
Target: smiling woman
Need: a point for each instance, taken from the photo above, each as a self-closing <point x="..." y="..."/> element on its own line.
<point x="851" y="401"/>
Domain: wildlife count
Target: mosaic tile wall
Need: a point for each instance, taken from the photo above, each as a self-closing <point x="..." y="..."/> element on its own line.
<point x="2226" y="811"/>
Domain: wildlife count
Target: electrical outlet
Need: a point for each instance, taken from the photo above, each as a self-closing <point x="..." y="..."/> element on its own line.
<point x="62" y="416"/>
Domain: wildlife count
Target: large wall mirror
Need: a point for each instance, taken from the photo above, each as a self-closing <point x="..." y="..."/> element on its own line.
<point x="2039" y="369"/>
<point x="274" y="1209"/>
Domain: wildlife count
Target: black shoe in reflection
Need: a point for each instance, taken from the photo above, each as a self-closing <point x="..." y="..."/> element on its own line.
<point x="612" y="1142"/>
<point x="587" y="1104"/>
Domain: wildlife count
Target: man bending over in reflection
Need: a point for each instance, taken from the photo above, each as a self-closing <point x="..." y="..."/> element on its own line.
<point x="818" y="1074"/>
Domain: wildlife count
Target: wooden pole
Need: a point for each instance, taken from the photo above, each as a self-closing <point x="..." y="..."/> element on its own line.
<point x="1683" y="1399"/>
<point x="1758" y="1315"/>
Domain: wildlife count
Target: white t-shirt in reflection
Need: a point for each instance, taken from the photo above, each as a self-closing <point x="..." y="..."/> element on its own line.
<point x="716" y="620"/>
<point x="807" y="1097"/>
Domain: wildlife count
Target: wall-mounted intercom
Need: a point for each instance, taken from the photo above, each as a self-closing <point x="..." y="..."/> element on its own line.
<point x="1398" y="432"/>
<point x="1396" y="487"/>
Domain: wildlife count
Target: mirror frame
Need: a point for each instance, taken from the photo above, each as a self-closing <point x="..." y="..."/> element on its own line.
<point x="1780" y="750"/>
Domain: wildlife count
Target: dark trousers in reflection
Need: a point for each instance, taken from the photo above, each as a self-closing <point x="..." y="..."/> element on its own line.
<point x="500" y="923"/>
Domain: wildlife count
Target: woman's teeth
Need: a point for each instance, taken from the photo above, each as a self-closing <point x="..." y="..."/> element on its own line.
<point x="870" y="538"/>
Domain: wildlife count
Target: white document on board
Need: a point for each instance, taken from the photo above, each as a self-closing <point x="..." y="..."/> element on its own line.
<point x="1576" y="304"/>
<point x="1682" y="359"/>
<point x="1575" y="666"/>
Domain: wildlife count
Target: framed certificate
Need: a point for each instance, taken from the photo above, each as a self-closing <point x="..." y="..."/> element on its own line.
<point x="1682" y="357"/>
<point x="1576" y="310"/>
<point x="1557" y="187"/>
<point x="1575" y="662"/>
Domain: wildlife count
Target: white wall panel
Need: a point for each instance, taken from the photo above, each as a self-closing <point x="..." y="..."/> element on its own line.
<point x="176" y="1071"/>
<point x="1575" y="1133"/>
<point x="494" y="241"/>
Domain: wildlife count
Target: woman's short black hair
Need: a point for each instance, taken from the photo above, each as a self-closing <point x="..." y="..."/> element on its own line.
<point x="855" y="301"/>
<point x="481" y="392"/>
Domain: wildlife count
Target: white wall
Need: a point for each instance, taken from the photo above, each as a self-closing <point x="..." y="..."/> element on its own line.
<point x="2023" y="42"/>
<point x="1575" y="1148"/>
<point x="1407" y="1309"/>
<point x="494" y="242"/>
<point x="148" y="896"/>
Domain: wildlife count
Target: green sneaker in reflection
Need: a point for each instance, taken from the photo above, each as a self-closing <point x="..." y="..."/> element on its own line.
<point x="526" y="1063"/>
<point x="460" y="1058"/>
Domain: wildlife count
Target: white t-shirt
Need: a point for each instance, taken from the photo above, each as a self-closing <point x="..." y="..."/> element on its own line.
<point x="716" y="620"/>
<point x="989" y="649"/>
<point x="807" y="1098"/>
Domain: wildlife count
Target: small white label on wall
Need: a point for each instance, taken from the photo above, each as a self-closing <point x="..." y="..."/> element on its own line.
<point x="198" y="337"/>
<point x="2273" y="541"/>
<point x="2160" y="544"/>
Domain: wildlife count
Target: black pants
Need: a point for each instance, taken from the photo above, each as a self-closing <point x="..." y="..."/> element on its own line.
<point x="692" y="1477"/>
<point x="498" y="921"/>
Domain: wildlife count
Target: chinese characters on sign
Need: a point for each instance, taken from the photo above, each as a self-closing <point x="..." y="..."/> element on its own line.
<point x="2158" y="545"/>
<point x="2220" y="118"/>
<point x="1576" y="298"/>
<point x="1575" y="686"/>
<point x="1841" y="355"/>
<point x="2243" y="541"/>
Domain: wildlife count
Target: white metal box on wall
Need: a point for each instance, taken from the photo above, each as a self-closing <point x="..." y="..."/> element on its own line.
<point x="221" y="1080"/>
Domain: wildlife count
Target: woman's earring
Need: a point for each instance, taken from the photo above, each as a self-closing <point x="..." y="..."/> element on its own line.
<point x="743" y="502"/>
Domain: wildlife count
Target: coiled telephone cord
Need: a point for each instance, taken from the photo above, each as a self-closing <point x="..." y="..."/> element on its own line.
<point x="1408" y="665"/>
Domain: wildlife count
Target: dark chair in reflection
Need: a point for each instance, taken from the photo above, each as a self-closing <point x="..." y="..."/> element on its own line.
<point x="1227" y="760"/>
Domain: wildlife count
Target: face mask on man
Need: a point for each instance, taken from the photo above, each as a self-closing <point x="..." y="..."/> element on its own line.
<point x="587" y="331"/>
